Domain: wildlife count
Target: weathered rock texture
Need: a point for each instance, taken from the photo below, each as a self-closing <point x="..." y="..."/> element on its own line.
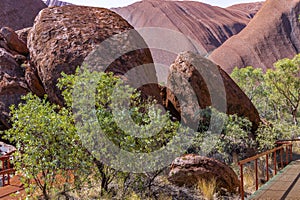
<point x="12" y="85"/>
<point x="62" y="37"/>
<point x="203" y="80"/>
<point x="189" y="169"/>
<point x="249" y="8"/>
<point x="23" y="34"/>
<point x="273" y="34"/>
<point x="209" y="26"/>
<point x="19" y="14"/>
<point x="13" y="42"/>
<point x="17" y="78"/>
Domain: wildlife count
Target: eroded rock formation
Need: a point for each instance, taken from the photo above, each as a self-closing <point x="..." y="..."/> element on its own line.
<point x="211" y="85"/>
<point x="209" y="26"/>
<point x="12" y="85"/>
<point x="62" y="38"/>
<point x="273" y="34"/>
<point x="189" y="169"/>
<point x="16" y="76"/>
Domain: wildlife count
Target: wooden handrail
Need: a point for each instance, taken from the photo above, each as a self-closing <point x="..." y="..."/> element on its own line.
<point x="284" y="144"/>
<point x="6" y="168"/>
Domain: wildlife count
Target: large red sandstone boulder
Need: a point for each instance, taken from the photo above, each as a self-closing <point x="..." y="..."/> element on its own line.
<point x="273" y="34"/>
<point x="62" y="38"/>
<point x="19" y="14"/>
<point x="208" y="89"/>
<point x="12" y="85"/>
<point x="189" y="169"/>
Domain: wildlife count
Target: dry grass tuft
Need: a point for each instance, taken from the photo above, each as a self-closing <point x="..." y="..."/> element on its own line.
<point x="207" y="187"/>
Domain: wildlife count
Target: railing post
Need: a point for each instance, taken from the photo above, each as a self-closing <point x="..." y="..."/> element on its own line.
<point x="256" y="176"/>
<point x="281" y="158"/>
<point x="286" y="155"/>
<point x="275" y="163"/>
<point x="8" y="175"/>
<point x="242" y="183"/>
<point x="291" y="151"/>
<point x="267" y="166"/>
<point x="3" y="176"/>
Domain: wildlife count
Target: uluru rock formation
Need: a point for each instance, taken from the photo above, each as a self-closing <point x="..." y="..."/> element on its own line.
<point x="273" y="34"/>
<point x="62" y="37"/>
<point x="202" y="75"/>
<point x="209" y="26"/>
<point x="19" y="14"/>
<point x="248" y="8"/>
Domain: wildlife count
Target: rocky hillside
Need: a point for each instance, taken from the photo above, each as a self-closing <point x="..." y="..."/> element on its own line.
<point x="209" y="25"/>
<point x="273" y="34"/>
<point x="19" y="14"/>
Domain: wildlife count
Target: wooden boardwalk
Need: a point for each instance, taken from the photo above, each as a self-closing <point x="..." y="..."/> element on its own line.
<point x="284" y="186"/>
<point x="13" y="191"/>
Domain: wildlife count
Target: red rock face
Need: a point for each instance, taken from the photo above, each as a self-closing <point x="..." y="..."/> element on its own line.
<point x="19" y="14"/>
<point x="273" y="34"/>
<point x="248" y="8"/>
<point x="189" y="169"/>
<point x="12" y="85"/>
<point x="62" y="37"/>
<point x="209" y="26"/>
<point x="16" y="77"/>
<point x="13" y="42"/>
<point x="206" y="88"/>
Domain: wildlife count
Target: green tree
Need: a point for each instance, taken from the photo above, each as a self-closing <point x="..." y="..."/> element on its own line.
<point x="142" y="112"/>
<point x="252" y="82"/>
<point x="49" y="147"/>
<point x="49" y="154"/>
<point x="284" y="83"/>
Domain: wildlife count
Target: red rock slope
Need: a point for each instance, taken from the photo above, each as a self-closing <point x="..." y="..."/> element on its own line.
<point x="209" y="25"/>
<point x="273" y="34"/>
<point x="19" y="14"/>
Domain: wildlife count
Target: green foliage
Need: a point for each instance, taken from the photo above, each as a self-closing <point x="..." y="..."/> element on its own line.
<point x="284" y="84"/>
<point x="236" y="138"/>
<point x="129" y="133"/>
<point x="110" y="92"/>
<point x="267" y="135"/>
<point x="47" y="147"/>
<point x="276" y="95"/>
<point x="252" y="82"/>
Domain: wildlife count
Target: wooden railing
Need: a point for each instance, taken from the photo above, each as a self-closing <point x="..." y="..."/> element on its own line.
<point x="6" y="170"/>
<point x="288" y="146"/>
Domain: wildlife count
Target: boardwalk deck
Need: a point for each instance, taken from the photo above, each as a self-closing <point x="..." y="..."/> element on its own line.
<point x="284" y="186"/>
<point x="15" y="187"/>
